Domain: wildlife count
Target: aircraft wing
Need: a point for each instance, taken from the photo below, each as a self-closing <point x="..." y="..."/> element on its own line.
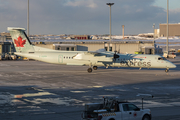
<point x="97" y="52"/>
<point x="93" y="56"/>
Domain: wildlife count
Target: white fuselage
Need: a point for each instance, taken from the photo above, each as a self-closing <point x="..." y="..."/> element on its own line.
<point x="125" y="60"/>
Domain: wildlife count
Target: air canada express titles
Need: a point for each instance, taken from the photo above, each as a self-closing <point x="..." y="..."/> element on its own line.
<point x="135" y="63"/>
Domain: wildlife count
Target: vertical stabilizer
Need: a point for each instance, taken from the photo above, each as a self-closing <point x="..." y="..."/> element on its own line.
<point x="20" y="40"/>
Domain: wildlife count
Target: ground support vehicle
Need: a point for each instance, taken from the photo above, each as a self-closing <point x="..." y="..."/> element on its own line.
<point x="113" y="109"/>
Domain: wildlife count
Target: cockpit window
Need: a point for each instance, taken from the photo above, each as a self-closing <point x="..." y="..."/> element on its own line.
<point x="162" y="58"/>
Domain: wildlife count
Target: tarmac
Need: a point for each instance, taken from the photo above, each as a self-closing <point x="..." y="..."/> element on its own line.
<point x="33" y="90"/>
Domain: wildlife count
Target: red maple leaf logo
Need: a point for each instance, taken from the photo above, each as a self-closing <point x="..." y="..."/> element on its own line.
<point x="19" y="42"/>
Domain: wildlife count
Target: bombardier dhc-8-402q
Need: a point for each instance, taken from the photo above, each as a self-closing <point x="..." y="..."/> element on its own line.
<point x="93" y="59"/>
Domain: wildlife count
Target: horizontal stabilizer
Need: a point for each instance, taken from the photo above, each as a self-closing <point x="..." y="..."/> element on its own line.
<point x="15" y="28"/>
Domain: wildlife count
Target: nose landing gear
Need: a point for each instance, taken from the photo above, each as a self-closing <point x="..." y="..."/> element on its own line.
<point x="167" y="70"/>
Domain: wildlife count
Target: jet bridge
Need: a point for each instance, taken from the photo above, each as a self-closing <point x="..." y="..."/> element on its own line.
<point x="148" y="49"/>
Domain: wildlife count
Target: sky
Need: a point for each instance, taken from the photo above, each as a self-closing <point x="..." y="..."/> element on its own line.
<point x="87" y="16"/>
<point x="173" y="4"/>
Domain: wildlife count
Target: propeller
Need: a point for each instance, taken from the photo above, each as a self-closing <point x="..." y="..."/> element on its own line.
<point x="115" y="56"/>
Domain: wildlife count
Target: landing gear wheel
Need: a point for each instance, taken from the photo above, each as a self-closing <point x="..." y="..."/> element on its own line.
<point x="167" y="70"/>
<point x="95" y="67"/>
<point x="89" y="70"/>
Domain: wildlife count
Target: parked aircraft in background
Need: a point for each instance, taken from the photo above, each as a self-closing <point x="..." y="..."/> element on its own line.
<point x="93" y="59"/>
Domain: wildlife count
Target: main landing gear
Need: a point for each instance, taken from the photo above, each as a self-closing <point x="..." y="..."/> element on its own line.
<point x="167" y="70"/>
<point x="95" y="67"/>
<point x="90" y="69"/>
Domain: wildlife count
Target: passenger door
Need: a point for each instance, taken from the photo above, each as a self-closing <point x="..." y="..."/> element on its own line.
<point x="125" y="112"/>
<point x="131" y="112"/>
<point x="134" y="112"/>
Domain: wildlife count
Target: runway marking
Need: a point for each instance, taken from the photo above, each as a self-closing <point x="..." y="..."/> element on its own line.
<point x="4" y="64"/>
<point x="78" y="91"/>
<point x="95" y="86"/>
<point x="5" y="98"/>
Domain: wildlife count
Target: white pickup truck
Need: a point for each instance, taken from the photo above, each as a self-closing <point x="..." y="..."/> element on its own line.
<point x="114" y="110"/>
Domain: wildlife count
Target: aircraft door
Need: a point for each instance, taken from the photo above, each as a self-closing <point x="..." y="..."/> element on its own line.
<point x="60" y="58"/>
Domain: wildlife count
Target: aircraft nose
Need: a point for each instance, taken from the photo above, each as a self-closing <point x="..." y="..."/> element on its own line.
<point x="172" y="65"/>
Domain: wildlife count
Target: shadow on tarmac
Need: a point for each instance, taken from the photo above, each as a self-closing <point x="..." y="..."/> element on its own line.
<point x="23" y="101"/>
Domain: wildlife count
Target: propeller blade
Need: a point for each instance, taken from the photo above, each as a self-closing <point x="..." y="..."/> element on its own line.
<point x="115" y="56"/>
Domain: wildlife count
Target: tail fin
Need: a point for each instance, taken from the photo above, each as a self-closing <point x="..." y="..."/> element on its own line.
<point x="20" y="40"/>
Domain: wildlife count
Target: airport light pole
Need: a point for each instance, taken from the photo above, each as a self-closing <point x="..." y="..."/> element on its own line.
<point x="167" y="42"/>
<point x="154" y="32"/>
<point x="123" y="31"/>
<point x="28" y="19"/>
<point x="110" y="4"/>
<point x="154" y="35"/>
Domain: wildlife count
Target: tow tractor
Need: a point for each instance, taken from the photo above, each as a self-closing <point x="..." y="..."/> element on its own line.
<point x="115" y="109"/>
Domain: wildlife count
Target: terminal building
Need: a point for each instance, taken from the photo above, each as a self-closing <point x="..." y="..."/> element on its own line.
<point x="80" y="37"/>
<point x="174" y="30"/>
<point x="5" y="46"/>
<point x="121" y="46"/>
<point x="5" y="35"/>
<point x="130" y="47"/>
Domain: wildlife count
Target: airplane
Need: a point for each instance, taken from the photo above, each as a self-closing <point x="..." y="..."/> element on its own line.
<point x="93" y="59"/>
